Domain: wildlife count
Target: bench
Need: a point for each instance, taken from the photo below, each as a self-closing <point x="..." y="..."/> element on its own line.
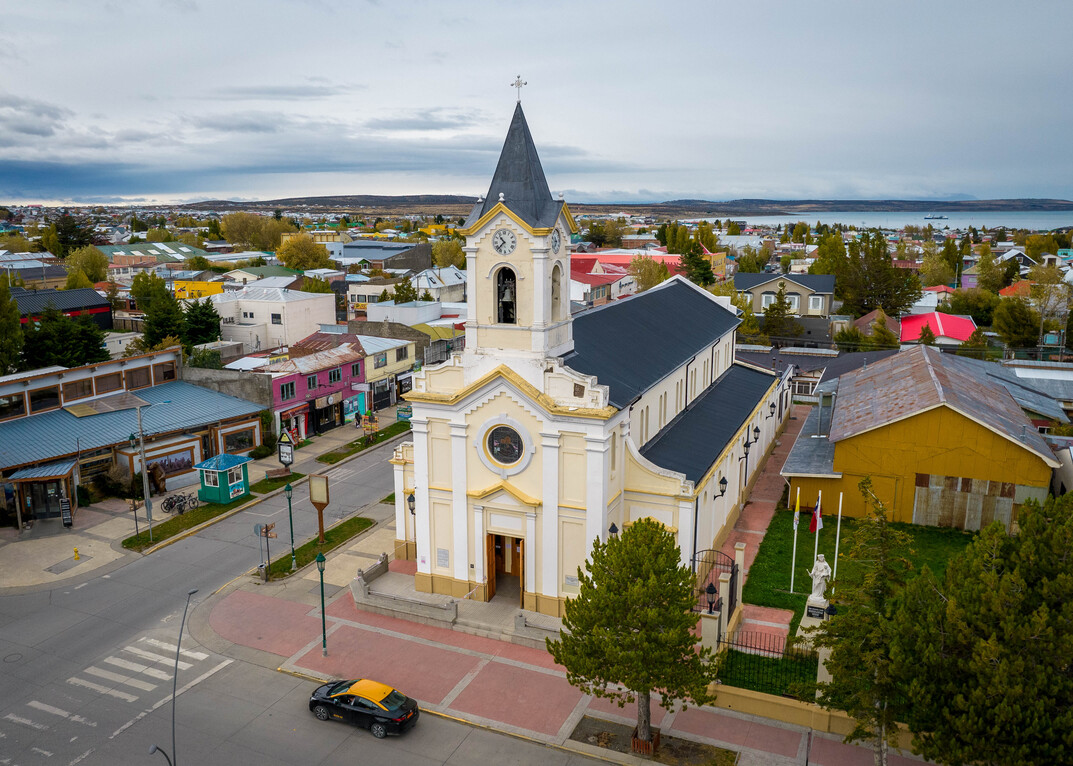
<point x="277" y="473"/>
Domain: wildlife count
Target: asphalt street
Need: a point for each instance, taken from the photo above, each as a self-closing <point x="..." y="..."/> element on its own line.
<point x="87" y="665"/>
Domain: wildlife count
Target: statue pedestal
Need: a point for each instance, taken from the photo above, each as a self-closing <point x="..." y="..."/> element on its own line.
<point x="815" y="614"/>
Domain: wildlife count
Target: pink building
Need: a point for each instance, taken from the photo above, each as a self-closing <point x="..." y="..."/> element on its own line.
<point x="319" y="391"/>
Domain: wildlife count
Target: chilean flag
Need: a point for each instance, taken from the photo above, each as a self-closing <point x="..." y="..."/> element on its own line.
<point x="817" y="521"/>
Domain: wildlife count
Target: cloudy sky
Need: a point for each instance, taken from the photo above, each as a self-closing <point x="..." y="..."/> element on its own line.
<point x="181" y="100"/>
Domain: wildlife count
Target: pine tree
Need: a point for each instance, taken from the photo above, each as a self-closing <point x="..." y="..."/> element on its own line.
<point x="202" y="323"/>
<point x="631" y="625"/>
<point x="883" y="336"/>
<point x="698" y="270"/>
<point x="1017" y="323"/>
<point x="927" y="336"/>
<point x="45" y="341"/>
<point x="11" y="337"/>
<point x="875" y="569"/>
<point x="779" y="323"/>
<point x="163" y="319"/>
<point x="984" y="654"/>
<point x="85" y="344"/>
<point x="405" y="292"/>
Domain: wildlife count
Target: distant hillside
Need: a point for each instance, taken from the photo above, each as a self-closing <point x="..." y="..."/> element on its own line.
<point x="349" y="201"/>
<point x="790" y="207"/>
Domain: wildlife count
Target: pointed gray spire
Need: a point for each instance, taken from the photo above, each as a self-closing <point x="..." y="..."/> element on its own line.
<point x="519" y="178"/>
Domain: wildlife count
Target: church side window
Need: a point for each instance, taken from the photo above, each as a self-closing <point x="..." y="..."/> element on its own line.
<point x="556" y="293"/>
<point x="506" y="297"/>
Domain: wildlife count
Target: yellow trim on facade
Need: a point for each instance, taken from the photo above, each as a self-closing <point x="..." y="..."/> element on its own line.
<point x="502" y="371"/>
<point x="507" y="487"/>
<point x="500" y="207"/>
<point x="614" y="497"/>
<point x="574" y="507"/>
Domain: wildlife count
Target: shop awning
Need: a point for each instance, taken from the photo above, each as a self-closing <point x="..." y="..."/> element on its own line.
<point x="43" y="472"/>
<point x="294" y="410"/>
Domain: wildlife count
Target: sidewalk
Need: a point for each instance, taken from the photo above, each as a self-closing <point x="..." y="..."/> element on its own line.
<point x="44" y="554"/>
<point x="753" y="523"/>
<point x="483" y="681"/>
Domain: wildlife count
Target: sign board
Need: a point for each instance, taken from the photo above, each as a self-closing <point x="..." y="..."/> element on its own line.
<point x="285" y="447"/>
<point x="65" y="512"/>
<point x="318" y="490"/>
<point x="266" y="530"/>
<point x="326" y="401"/>
<point x="817" y="612"/>
<point x="237" y="490"/>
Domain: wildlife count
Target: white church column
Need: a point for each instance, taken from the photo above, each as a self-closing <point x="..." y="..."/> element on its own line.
<point x="423" y="521"/>
<point x="478" y="543"/>
<point x="596" y="490"/>
<point x="459" y="501"/>
<point x="401" y="522"/>
<point x="549" y="550"/>
<point x="530" y="552"/>
<point x="687" y="510"/>
<point x="541" y="291"/>
<point x="472" y="291"/>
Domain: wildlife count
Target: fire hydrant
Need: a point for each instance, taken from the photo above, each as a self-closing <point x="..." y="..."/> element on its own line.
<point x="76" y="554"/>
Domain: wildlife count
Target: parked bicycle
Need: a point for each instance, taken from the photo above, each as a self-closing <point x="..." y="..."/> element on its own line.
<point x="180" y="503"/>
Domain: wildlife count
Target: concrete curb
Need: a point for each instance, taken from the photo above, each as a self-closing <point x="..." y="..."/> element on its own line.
<point x="259" y="499"/>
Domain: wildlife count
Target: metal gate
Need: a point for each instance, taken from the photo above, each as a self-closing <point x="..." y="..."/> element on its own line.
<point x="708" y="565"/>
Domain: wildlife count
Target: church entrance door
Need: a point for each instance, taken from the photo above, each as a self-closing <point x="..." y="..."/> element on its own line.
<point x="505" y="564"/>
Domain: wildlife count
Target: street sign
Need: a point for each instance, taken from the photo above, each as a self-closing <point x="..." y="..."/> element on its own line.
<point x="266" y="530"/>
<point x="318" y="496"/>
<point x="285" y="446"/>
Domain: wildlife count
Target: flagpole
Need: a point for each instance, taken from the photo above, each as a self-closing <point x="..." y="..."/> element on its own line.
<point x="816" y="551"/>
<point x="838" y="537"/>
<point x="793" y="560"/>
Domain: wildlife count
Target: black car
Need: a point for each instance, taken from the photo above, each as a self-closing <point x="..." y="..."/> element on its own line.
<point x="372" y="705"/>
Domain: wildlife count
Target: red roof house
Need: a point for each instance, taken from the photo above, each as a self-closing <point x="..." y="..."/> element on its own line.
<point x="949" y="329"/>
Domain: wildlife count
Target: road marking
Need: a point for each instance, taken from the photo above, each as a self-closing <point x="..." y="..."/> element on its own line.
<point x="48" y="709"/>
<point x="125" y="680"/>
<point x="138" y="668"/>
<point x="83" y="585"/>
<point x="45" y="753"/>
<point x="102" y="689"/>
<point x="25" y="722"/>
<point x="184" y="688"/>
<point x="81" y="758"/>
<point x="173" y="647"/>
<point x="155" y="657"/>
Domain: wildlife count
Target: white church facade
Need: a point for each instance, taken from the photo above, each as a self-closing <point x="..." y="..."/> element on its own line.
<point x="550" y="430"/>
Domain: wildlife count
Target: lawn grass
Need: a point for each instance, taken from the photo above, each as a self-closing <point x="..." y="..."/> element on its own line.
<point x="389" y="500"/>
<point x="264" y="486"/>
<point x="789" y="676"/>
<point x="179" y="523"/>
<point x="768" y="583"/>
<point x="356" y="446"/>
<point x="307" y="552"/>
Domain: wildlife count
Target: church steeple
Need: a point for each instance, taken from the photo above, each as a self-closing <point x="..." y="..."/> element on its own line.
<point x="520" y="179"/>
<point x="518" y="259"/>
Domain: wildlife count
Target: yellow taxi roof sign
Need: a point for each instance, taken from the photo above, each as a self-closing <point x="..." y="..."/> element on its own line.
<point x="370" y="690"/>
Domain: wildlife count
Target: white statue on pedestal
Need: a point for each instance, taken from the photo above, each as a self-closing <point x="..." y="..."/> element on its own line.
<point x="820" y="574"/>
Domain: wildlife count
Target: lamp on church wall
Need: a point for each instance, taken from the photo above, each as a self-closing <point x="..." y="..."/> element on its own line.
<point x="411" y="503"/>
<point x="613" y="530"/>
<point x="756" y="434"/>
<point x="722" y="487"/>
<point x="771" y="409"/>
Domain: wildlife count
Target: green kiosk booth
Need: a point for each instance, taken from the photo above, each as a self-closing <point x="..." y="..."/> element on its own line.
<point x="223" y="478"/>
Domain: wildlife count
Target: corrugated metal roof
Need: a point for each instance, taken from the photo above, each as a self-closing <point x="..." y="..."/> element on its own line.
<point x="222" y="462"/>
<point x="910" y="382"/>
<point x="52" y="434"/>
<point x="692" y="442"/>
<point x="275" y="294"/>
<point x="47" y="471"/>
<point x="811" y="455"/>
<point x="374" y="345"/>
<point x="36" y="301"/>
<point x="345" y="353"/>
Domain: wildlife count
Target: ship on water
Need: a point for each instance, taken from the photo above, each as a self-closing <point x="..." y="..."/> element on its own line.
<point x="934" y="217"/>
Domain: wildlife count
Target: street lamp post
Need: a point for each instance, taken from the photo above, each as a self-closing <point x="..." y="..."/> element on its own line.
<point x="288" y="491"/>
<point x="155" y="749"/>
<point x="323" y="619"/>
<point x="145" y="472"/>
<point x="175" y="677"/>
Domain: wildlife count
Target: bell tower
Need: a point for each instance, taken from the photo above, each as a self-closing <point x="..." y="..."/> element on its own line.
<point x="518" y="258"/>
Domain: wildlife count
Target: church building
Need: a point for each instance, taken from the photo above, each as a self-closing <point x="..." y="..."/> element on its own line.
<point x="550" y="430"/>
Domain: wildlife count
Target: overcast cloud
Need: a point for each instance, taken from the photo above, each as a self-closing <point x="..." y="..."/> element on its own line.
<point x="167" y="100"/>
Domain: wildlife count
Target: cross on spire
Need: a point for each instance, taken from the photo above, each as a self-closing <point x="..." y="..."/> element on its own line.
<point x="518" y="83"/>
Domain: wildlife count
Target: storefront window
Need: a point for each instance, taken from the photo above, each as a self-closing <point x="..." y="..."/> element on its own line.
<point x="12" y="406"/>
<point x="211" y="478"/>
<point x="239" y="441"/>
<point x="138" y="378"/>
<point x="78" y="389"/>
<point x="45" y="399"/>
<point x="111" y="382"/>
<point x="234" y="475"/>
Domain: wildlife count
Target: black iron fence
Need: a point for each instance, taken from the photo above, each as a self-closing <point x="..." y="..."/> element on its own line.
<point x="708" y="565"/>
<point x="766" y="663"/>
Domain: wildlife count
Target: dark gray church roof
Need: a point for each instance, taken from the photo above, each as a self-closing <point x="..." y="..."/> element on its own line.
<point x="520" y="179"/>
<point x="631" y="344"/>
<point x="691" y="443"/>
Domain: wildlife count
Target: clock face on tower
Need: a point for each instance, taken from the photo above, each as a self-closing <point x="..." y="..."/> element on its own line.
<point x="504" y="241"/>
<point x="556" y="241"/>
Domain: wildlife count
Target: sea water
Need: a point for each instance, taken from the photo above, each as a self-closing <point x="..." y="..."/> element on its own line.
<point x="1040" y="220"/>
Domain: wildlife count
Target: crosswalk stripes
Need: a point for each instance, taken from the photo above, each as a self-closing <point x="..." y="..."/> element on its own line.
<point x="133" y="672"/>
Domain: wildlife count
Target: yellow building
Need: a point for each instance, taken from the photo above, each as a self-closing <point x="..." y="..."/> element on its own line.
<point x="944" y="444"/>
<point x="190" y="288"/>
<point x="551" y="430"/>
